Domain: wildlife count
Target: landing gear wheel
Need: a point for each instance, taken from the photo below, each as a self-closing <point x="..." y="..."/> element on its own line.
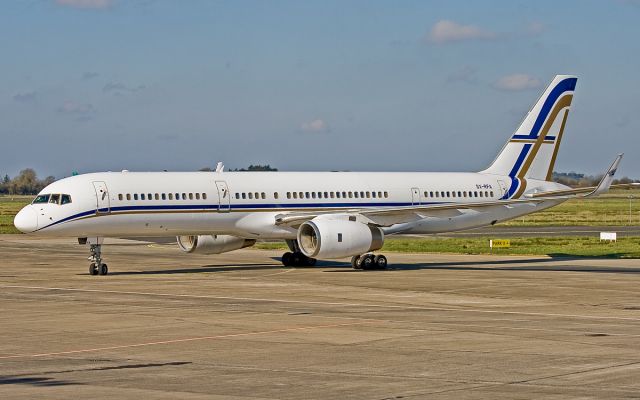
<point x="103" y="270"/>
<point x="356" y="262"/>
<point x="93" y="269"/>
<point x="380" y="262"/>
<point x="287" y="259"/>
<point x="367" y="261"/>
<point x="297" y="259"/>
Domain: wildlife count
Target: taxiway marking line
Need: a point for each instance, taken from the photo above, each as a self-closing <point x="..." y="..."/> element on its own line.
<point x="327" y="303"/>
<point x="193" y="339"/>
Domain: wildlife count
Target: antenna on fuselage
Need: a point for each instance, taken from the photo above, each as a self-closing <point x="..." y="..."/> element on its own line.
<point x="220" y="167"/>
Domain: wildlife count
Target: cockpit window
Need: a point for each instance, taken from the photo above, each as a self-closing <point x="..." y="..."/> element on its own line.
<point x="43" y="198"/>
<point x="54" y="199"/>
<point x="66" y="199"/>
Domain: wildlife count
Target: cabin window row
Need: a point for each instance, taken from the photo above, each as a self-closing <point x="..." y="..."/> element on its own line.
<point x="476" y="193"/>
<point x="338" y="195"/>
<point x="162" y="196"/>
<point x="253" y="195"/>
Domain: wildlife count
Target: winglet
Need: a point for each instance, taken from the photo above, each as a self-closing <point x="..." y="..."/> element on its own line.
<point x="607" y="179"/>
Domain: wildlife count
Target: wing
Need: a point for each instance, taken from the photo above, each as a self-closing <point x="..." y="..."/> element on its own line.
<point x="396" y="215"/>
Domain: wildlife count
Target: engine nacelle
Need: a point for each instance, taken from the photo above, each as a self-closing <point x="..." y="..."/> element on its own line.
<point x="334" y="238"/>
<point x="212" y="244"/>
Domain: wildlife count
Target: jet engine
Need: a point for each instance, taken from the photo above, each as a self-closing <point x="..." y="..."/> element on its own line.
<point x="335" y="238"/>
<point x="212" y="244"/>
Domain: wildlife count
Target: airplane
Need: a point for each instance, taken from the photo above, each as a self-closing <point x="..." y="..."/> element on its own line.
<point x="320" y="215"/>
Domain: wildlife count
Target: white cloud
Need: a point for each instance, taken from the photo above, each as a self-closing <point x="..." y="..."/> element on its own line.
<point x="517" y="82"/>
<point x="119" y="88"/>
<point x="446" y="31"/>
<point x="70" y="107"/>
<point x="29" y="97"/>
<point x="535" y="28"/>
<point x="96" y="4"/>
<point x="317" y="125"/>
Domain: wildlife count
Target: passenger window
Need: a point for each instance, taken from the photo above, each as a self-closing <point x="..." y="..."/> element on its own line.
<point x="237" y="196"/>
<point x="120" y="197"/>
<point x="275" y="195"/>
<point x="142" y="196"/>
<point x="197" y="196"/>
<point x="475" y="194"/>
<point x="128" y="196"/>
<point x="184" y="196"/>
<point x="135" y="196"/>
<point x="337" y="195"/>
<point x="448" y="194"/>
<point x="288" y="195"/>
<point x="362" y="195"/>
<point x="480" y="194"/>
<point x="295" y="195"/>
<point x="190" y="196"/>
<point x="491" y="193"/>
<point x="326" y="195"/>
<point x="332" y="195"/>
<point x="244" y="196"/>
<point x="164" y="196"/>
<point x="306" y="195"/>
<point x="368" y="194"/>
<point x="250" y="196"/>
<point x="437" y="194"/>
<point x="170" y="196"/>
<point x="459" y="194"/>
<point x="157" y="196"/>
<point x="204" y="196"/>
<point x="65" y="199"/>
<point x="453" y="194"/>
<point x="150" y="197"/>
<point x="464" y="194"/>
<point x="355" y="194"/>
<point x="425" y="193"/>
<point x="373" y="194"/>
<point x="386" y="194"/>
<point x="313" y="195"/>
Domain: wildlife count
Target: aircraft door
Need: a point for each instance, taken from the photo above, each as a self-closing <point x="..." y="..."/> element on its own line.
<point x="415" y="196"/>
<point x="224" y="197"/>
<point x="503" y="188"/>
<point x="103" y="205"/>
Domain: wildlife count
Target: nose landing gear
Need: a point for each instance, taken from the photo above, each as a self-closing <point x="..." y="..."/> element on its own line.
<point x="97" y="267"/>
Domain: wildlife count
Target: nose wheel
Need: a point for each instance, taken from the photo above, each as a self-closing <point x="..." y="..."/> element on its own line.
<point x="369" y="261"/>
<point x="97" y="267"/>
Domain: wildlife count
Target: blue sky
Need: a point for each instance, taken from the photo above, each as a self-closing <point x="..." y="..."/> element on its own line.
<point x="89" y="85"/>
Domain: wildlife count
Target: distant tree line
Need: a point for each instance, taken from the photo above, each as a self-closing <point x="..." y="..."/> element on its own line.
<point x="257" y="167"/>
<point x="26" y="183"/>
<point x="575" y="179"/>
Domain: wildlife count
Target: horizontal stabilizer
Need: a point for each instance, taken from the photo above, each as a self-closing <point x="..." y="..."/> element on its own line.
<point x="602" y="187"/>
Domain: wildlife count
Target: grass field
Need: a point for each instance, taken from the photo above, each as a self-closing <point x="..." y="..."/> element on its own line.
<point x="9" y="207"/>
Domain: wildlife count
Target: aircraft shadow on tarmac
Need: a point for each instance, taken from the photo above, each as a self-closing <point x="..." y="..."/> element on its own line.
<point x="528" y="264"/>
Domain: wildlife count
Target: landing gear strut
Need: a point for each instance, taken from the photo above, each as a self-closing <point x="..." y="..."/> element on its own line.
<point x="97" y="267"/>
<point x="369" y="261"/>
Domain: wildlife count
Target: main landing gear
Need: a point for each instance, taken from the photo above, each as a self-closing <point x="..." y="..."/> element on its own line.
<point x="297" y="259"/>
<point x="97" y="267"/>
<point x="369" y="261"/>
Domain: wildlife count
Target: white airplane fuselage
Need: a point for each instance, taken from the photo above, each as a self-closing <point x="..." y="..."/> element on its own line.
<point x="125" y="204"/>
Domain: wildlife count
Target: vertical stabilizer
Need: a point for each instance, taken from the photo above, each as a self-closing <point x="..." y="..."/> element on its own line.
<point x="532" y="150"/>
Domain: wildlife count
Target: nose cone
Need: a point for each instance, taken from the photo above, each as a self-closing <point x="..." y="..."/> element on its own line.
<point x="26" y="220"/>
